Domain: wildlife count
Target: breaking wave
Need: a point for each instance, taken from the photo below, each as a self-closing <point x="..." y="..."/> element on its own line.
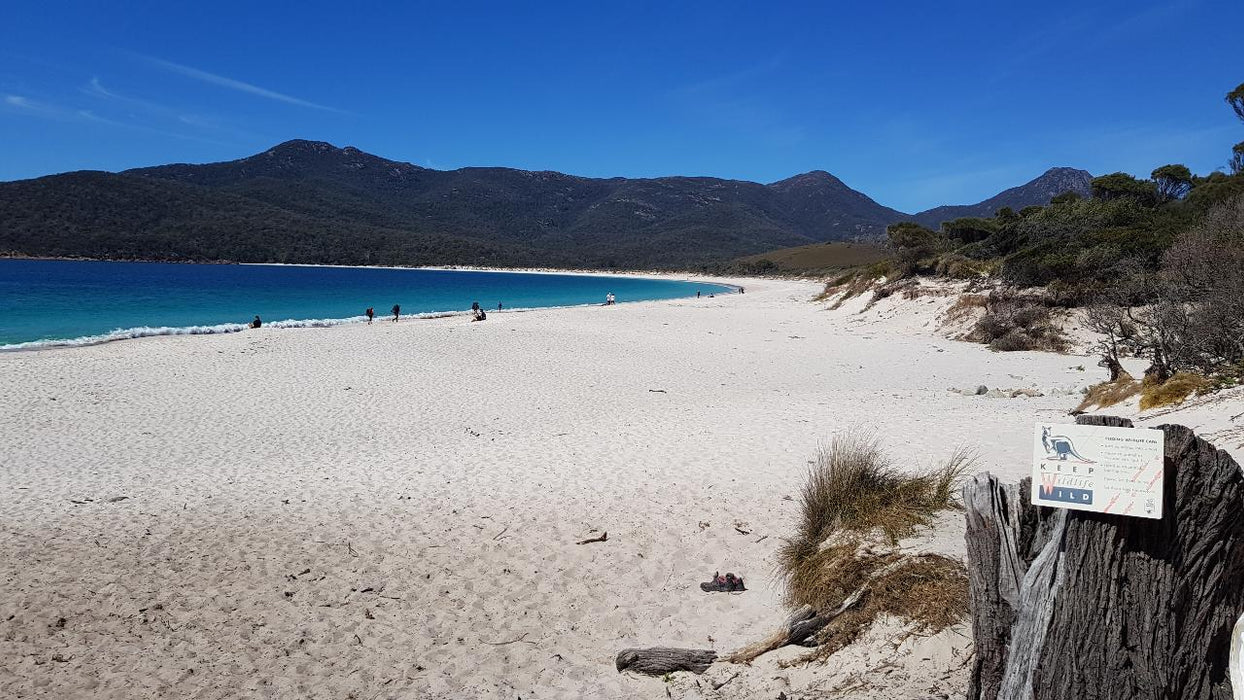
<point x="153" y="331"/>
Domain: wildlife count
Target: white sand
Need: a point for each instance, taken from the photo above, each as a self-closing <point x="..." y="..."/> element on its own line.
<point x="450" y="467"/>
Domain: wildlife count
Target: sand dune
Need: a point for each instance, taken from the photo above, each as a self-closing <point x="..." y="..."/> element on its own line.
<point x="392" y="511"/>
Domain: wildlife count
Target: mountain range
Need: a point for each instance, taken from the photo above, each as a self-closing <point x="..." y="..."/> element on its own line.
<point x="312" y="202"/>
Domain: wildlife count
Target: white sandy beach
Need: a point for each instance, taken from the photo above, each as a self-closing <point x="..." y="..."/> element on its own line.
<point x="393" y="510"/>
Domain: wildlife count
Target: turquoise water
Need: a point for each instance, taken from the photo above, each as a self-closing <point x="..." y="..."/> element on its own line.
<point x="47" y="303"/>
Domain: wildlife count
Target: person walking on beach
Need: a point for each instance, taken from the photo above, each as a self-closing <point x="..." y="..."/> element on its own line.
<point x="397" y="311"/>
<point x="371" y="313"/>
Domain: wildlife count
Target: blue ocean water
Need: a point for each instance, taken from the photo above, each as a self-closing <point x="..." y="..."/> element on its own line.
<point x="53" y="302"/>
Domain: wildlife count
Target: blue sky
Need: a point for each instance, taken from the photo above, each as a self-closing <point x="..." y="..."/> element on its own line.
<point x="915" y="104"/>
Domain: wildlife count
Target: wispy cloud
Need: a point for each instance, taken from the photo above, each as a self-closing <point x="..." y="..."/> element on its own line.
<point x="33" y="107"/>
<point x="96" y="89"/>
<point x="238" y="85"/>
<point x="88" y="115"/>
<point x="45" y="110"/>
<point x="160" y="112"/>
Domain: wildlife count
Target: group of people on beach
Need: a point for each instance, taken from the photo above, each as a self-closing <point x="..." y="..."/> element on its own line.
<point x="370" y="313"/>
<point x="477" y="313"/>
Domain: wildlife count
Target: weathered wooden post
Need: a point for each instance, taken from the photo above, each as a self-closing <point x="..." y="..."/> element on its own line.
<point x="1078" y="604"/>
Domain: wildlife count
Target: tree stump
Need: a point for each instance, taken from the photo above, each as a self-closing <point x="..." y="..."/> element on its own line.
<point x="1072" y="604"/>
<point x="658" y="661"/>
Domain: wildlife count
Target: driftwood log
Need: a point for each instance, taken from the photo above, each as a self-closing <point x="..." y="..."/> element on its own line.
<point x="1072" y="604"/>
<point x="658" y="661"/>
<point x="804" y="623"/>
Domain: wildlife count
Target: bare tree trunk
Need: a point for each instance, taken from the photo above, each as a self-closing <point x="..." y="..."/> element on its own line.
<point x="1110" y="606"/>
<point x="1112" y="364"/>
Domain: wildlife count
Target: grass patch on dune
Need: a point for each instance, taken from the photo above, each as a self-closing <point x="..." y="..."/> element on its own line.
<point x="928" y="590"/>
<point x="1153" y="393"/>
<point x="1108" y="394"/>
<point x="1176" y="390"/>
<point x="853" y="485"/>
<point x="965" y="307"/>
<point x="854" y="507"/>
<point x="847" y="289"/>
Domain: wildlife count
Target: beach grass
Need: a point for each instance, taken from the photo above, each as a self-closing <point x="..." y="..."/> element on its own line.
<point x="856" y="501"/>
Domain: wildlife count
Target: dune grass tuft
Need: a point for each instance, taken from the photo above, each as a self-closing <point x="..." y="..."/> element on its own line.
<point x="854" y="486"/>
<point x="853" y="491"/>
<point x="1154" y="394"/>
<point x="1108" y="394"/>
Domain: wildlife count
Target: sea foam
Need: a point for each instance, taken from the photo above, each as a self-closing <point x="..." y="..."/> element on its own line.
<point x="153" y="331"/>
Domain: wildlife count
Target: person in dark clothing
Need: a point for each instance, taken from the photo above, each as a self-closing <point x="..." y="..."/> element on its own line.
<point x="370" y="314"/>
<point x="256" y="323"/>
<point x="397" y="311"/>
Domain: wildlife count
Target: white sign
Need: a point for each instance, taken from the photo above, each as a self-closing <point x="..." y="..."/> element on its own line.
<point x="1092" y="467"/>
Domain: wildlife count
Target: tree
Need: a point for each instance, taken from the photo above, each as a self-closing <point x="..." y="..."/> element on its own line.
<point x="1066" y="198"/>
<point x="909" y="234"/>
<point x="1205" y="270"/>
<point x="1109" y="320"/>
<point x="912" y="243"/>
<point x="1237" y="159"/>
<point x="1122" y="185"/>
<point x="1190" y="314"/>
<point x="969" y="229"/>
<point x="1235" y="98"/>
<point x="1172" y="181"/>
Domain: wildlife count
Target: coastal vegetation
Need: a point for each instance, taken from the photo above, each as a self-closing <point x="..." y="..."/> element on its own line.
<point x="843" y="560"/>
<point x="1155" y="267"/>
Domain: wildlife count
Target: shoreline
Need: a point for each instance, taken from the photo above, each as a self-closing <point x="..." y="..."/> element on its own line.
<point x="140" y="332"/>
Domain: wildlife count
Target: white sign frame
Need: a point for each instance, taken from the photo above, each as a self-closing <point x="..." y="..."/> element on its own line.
<point x="1101" y="469"/>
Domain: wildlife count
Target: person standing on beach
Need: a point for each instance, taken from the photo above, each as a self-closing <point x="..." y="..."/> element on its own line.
<point x="397" y="311"/>
<point x="370" y="314"/>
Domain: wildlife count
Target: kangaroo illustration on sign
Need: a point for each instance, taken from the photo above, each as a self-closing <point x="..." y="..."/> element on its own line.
<point x="1060" y="446"/>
